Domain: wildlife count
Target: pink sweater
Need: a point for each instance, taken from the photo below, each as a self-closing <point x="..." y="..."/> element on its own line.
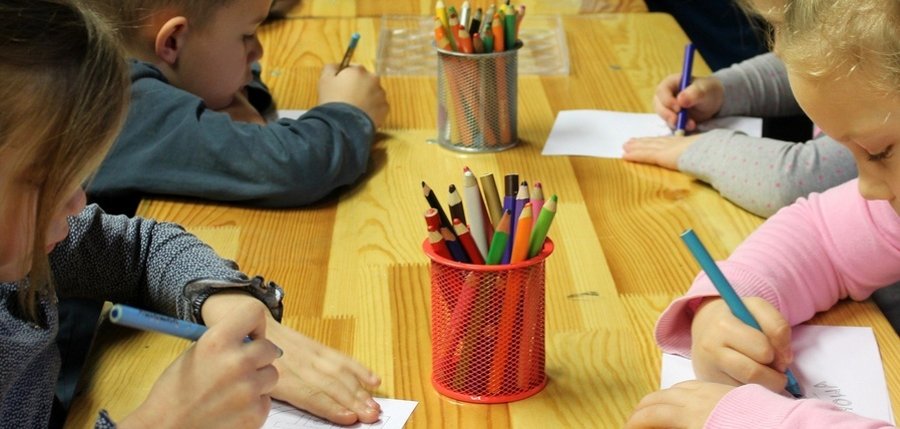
<point x="803" y="260"/>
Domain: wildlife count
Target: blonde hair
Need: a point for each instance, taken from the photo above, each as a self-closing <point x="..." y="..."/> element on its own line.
<point x="65" y="85"/>
<point x="131" y="16"/>
<point x="834" y="38"/>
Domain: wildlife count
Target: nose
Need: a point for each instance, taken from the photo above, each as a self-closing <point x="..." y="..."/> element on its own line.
<point x="256" y="50"/>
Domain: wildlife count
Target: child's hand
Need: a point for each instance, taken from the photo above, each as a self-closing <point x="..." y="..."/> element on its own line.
<point x="322" y="380"/>
<point x="356" y="86"/>
<point x="241" y="110"/>
<point x="219" y="379"/>
<point x="661" y="151"/>
<point x="312" y="377"/>
<point x="704" y="96"/>
<point x="726" y="350"/>
<point x="685" y="405"/>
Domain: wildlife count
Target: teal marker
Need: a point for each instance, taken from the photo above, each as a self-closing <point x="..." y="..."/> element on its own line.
<point x="734" y="302"/>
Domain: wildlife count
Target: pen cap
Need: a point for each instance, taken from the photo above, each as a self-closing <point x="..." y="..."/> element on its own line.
<point x="487" y="328"/>
<point x="477" y="100"/>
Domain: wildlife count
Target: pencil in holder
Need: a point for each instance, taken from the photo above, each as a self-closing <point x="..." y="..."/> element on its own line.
<point x="477" y="96"/>
<point x="487" y="328"/>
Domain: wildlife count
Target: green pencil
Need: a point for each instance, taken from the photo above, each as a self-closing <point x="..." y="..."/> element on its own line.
<point x="541" y="226"/>
<point x="498" y="243"/>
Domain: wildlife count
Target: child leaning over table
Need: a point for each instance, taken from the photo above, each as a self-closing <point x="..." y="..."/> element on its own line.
<point x="56" y="61"/>
<point x="195" y="127"/>
<point x="843" y="62"/>
<point x="761" y="175"/>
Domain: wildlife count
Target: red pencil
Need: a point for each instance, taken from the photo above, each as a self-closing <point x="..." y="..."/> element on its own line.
<point x="437" y="243"/>
<point x="432" y="219"/>
<point x="467" y="241"/>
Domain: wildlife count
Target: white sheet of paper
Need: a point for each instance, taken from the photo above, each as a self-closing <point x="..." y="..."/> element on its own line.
<point x="394" y="414"/>
<point x="292" y="114"/>
<point x="602" y="133"/>
<point x="837" y="364"/>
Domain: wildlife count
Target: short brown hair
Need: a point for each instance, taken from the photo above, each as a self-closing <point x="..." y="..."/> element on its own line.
<point x="65" y="83"/>
<point x="129" y="16"/>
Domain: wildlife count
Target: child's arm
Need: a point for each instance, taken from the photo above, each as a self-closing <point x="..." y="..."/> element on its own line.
<point x="172" y="144"/>
<point x="757" y="87"/>
<point x="219" y="379"/>
<point x="803" y="260"/>
<point x="312" y="377"/>
<point x="697" y="404"/>
<point x="135" y="261"/>
<point x="763" y="175"/>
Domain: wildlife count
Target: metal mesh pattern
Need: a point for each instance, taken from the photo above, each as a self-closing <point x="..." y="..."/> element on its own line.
<point x="477" y="100"/>
<point x="487" y="330"/>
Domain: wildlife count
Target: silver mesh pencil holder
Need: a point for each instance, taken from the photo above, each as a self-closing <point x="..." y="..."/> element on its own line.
<point x="477" y="100"/>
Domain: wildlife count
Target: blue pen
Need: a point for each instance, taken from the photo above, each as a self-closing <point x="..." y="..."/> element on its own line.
<point x="686" y="70"/>
<point x="354" y="39"/>
<point x="121" y="314"/>
<point x="734" y="302"/>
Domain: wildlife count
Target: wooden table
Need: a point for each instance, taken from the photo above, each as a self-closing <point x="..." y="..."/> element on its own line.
<point x="364" y="8"/>
<point x="358" y="281"/>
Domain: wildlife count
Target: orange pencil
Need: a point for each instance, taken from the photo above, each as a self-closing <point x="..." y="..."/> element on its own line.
<point x="440" y="36"/>
<point x="505" y="332"/>
<point x="523" y="235"/>
<point x="465" y="42"/>
<point x="468" y="243"/>
<point x="497" y="29"/>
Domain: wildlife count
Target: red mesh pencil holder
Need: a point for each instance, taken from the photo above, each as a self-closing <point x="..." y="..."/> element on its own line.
<point x="487" y="328"/>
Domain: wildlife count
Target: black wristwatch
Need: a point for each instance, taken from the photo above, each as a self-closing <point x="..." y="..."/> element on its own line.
<point x="269" y="293"/>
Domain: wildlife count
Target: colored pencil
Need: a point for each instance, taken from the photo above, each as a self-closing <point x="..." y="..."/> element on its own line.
<point x="456" y="250"/>
<point x="479" y="223"/>
<point x="468" y="244"/>
<point x="348" y="54"/>
<point x="511" y="189"/>
<point x="537" y="199"/>
<point x="728" y="294"/>
<point x="438" y="244"/>
<point x="521" y="241"/>
<point x="491" y="198"/>
<point x="498" y="243"/>
<point x="541" y="226"/>
<point x="455" y="204"/>
<point x="434" y="203"/>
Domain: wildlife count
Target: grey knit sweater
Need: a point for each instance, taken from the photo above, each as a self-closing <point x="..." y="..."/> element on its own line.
<point x="136" y="261"/>
<point x="760" y="174"/>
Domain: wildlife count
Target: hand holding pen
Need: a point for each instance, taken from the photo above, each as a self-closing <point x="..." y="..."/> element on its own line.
<point x="220" y="379"/>
<point x="732" y="345"/>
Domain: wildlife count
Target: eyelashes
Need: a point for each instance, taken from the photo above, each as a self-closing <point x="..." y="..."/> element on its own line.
<point x="885" y="154"/>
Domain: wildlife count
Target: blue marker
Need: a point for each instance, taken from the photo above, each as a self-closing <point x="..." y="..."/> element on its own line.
<point x="121" y="314"/>
<point x="354" y="39"/>
<point x="150" y="321"/>
<point x="686" y="70"/>
<point x="734" y="302"/>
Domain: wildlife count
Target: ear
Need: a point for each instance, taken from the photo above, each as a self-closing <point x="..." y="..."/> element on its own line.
<point x="170" y="39"/>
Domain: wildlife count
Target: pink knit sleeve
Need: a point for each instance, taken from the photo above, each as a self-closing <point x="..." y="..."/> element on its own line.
<point x="752" y="406"/>
<point x="803" y="260"/>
